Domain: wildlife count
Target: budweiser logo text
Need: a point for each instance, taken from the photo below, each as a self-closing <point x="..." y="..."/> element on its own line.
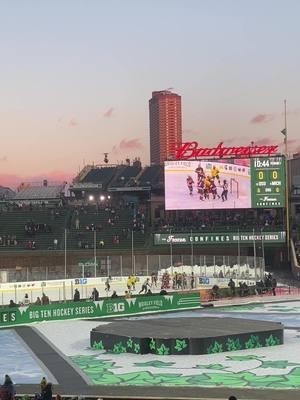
<point x="188" y="150"/>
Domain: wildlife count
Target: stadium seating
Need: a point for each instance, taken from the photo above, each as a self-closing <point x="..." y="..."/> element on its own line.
<point x="115" y="235"/>
<point x="12" y="223"/>
<point x="125" y="176"/>
<point x="151" y="175"/>
<point x="100" y="175"/>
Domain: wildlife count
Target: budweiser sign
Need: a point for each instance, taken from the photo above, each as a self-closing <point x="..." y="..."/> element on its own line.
<point x="184" y="151"/>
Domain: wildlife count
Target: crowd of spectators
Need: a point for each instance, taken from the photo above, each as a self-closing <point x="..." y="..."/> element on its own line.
<point x="138" y="222"/>
<point x="31" y="228"/>
<point x="227" y="220"/>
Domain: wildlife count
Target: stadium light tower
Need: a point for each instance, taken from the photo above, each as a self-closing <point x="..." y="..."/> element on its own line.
<point x="287" y="200"/>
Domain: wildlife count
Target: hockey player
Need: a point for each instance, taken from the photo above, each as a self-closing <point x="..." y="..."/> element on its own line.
<point x="190" y="182"/>
<point x="225" y="190"/>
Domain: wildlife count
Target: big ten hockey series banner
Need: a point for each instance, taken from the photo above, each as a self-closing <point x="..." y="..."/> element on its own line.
<point x="97" y="309"/>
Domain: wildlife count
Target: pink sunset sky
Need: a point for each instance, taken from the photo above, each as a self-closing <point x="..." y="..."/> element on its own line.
<point x="76" y="78"/>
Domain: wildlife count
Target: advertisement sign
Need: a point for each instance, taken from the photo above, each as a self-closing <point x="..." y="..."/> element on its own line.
<point x="98" y="309"/>
<point x="218" y="238"/>
<point x="192" y="150"/>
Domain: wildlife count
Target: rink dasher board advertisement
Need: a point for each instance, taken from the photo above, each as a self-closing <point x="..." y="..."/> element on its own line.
<point x="97" y="309"/>
<point x="219" y="238"/>
<point x="225" y="183"/>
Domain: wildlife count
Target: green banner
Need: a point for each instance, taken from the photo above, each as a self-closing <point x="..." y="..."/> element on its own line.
<point x="97" y="309"/>
<point x="218" y="238"/>
<point x="267" y="182"/>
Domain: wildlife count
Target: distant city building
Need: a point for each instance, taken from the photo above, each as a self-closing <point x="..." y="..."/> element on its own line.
<point x="165" y="125"/>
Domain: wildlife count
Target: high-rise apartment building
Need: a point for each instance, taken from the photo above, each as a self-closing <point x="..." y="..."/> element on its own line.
<point x="165" y="125"/>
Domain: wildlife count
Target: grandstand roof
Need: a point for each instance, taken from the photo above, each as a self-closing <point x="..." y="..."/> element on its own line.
<point x="6" y="193"/>
<point x="40" y="193"/>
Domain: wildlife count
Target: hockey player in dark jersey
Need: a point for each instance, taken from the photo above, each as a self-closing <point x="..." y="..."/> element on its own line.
<point x="225" y="190"/>
<point x="213" y="190"/>
<point x="200" y="173"/>
<point x="190" y="182"/>
<point x="200" y="188"/>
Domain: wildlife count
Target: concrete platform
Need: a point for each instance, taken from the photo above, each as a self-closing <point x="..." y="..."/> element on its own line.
<point x="203" y="335"/>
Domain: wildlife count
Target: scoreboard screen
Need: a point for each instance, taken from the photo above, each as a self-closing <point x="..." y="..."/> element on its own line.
<point x="257" y="182"/>
<point x="268" y="182"/>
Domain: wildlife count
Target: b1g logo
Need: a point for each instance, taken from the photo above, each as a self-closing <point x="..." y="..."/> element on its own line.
<point x="115" y="307"/>
<point x="80" y="281"/>
<point x="204" y="281"/>
<point x="8" y="316"/>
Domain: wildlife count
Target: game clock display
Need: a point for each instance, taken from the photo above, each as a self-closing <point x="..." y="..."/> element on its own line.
<point x="268" y="182"/>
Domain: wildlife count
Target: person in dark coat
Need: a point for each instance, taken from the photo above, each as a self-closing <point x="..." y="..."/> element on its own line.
<point x="76" y="295"/>
<point x="95" y="294"/>
<point x="46" y="394"/>
<point x="13" y="304"/>
<point x="8" y="388"/>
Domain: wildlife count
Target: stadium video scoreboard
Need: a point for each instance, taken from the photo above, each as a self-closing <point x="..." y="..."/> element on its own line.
<point x="252" y="182"/>
<point x="268" y="182"/>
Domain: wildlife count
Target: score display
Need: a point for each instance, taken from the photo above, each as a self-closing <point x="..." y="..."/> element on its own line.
<point x="268" y="182"/>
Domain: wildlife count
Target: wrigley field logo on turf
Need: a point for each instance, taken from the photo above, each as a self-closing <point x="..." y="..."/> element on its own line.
<point x="187" y="150"/>
<point x="213" y="238"/>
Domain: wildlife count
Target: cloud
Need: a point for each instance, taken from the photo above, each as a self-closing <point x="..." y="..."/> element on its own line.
<point x="295" y="112"/>
<point x="127" y="145"/>
<point x="13" y="180"/>
<point x="262" y="118"/>
<point x="263" y="141"/>
<point x="108" y="113"/>
<point x="73" y="122"/>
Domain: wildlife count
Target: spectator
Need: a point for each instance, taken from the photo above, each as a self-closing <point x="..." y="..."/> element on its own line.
<point x="114" y="295"/>
<point x="43" y="383"/>
<point x="163" y="292"/>
<point x="232" y="398"/>
<point x="231" y="286"/>
<point x="55" y="243"/>
<point x="127" y="294"/>
<point x="215" y="292"/>
<point x="12" y="304"/>
<point x="38" y="302"/>
<point x="274" y="285"/>
<point x="76" y="295"/>
<point x="26" y="299"/>
<point x="45" y="299"/>
<point x="8" y="388"/>
<point x="46" y="394"/>
<point x="95" y="294"/>
<point x="192" y="280"/>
